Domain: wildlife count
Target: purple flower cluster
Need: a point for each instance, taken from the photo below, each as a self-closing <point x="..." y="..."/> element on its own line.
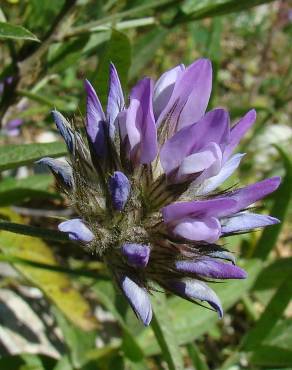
<point x="143" y="180"/>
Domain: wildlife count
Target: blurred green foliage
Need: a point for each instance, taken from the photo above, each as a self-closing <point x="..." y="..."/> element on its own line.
<point x="49" y="47"/>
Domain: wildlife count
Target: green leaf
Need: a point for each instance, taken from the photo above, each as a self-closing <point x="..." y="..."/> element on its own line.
<point x="27" y="362"/>
<point x="55" y="285"/>
<point x="268" y="356"/>
<point x="63" y="364"/>
<point x="13" y="190"/>
<point x="273" y="275"/>
<point x="145" y="48"/>
<point x="12" y="156"/>
<point x="117" y="51"/>
<point x="281" y="335"/>
<point x="162" y="326"/>
<point x="11" y="31"/>
<point x="282" y="199"/>
<point x="34" y="231"/>
<point x="211" y="8"/>
<point x="196" y="357"/>
<point x="270" y="316"/>
<point x="78" y="341"/>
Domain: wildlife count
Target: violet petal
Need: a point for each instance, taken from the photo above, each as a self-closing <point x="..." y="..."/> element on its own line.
<point x="65" y="130"/>
<point x="139" y="124"/>
<point x="210" y="268"/>
<point x="190" y="96"/>
<point x="245" y="221"/>
<point x="198" y="209"/>
<point x="239" y="130"/>
<point x="200" y="229"/>
<point x="76" y="230"/>
<point x="138" y="299"/>
<point x="62" y="170"/>
<point x="196" y="290"/>
<point x="95" y="121"/>
<point x="213" y="127"/>
<point x="226" y="171"/>
<point x="252" y="193"/>
<point x="164" y="87"/>
<point x="115" y="102"/>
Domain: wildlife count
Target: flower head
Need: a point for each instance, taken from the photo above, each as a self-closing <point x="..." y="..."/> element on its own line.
<point x="143" y="182"/>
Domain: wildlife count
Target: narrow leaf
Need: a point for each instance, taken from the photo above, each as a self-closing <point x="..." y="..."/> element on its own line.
<point x="12" y="156"/>
<point x="211" y="8"/>
<point x="281" y="203"/>
<point x="270" y="316"/>
<point x="164" y="332"/>
<point x="11" y="31"/>
<point x="196" y="357"/>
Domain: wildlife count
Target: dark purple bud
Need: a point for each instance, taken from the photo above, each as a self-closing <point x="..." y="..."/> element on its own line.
<point x="61" y="170"/>
<point x="210" y="268"/>
<point x="137" y="255"/>
<point x="196" y="290"/>
<point x="138" y="299"/>
<point x="76" y="230"/>
<point x="119" y="187"/>
<point x="65" y="130"/>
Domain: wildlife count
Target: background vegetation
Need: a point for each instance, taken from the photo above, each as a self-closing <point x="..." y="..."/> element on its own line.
<point x="58" y="308"/>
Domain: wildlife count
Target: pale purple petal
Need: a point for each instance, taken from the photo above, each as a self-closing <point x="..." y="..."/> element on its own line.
<point x="239" y="130"/>
<point x="115" y="102"/>
<point x="213" y="127"/>
<point x="226" y="171"/>
<point x="196" y="290"/>
<point x="14" y="123"/>
<point x="164" y="87"/>
<point x="245" y="221"/>
<point x="65" y="129"/>
<point x="201" y="229"/>
<point x="76" y="230"/>
<point x="137" y="255"/>
<point x="190" y="95"/>
<point x="252" y="193"/>
<point x="210" y="268"/>
<point x="138" y="299"/>
<point x="207" y="160"/>
<point x="95" y="120"/>
<point x="119" y="187"/>
<point x="140" y="124"/>
<point x="62" y="170"/>
<point x="198" y="209"/>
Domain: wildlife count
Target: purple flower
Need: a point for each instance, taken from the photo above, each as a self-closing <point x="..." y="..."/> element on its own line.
<point x="143" y="183"/>
<point x="207" y="220"/>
